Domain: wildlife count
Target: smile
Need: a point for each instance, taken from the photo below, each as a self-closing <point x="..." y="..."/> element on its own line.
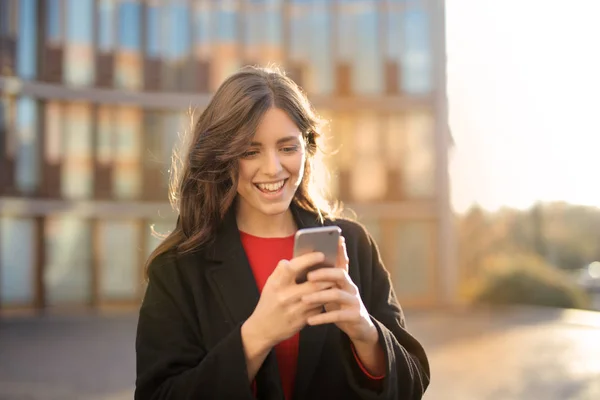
<point x="271" y="187"/>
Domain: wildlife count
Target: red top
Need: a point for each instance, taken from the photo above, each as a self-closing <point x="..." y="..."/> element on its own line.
<point x="263" y="255"/>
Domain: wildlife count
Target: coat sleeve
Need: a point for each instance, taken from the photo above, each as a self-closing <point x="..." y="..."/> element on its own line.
<point x="407" y="370"/>
<point x="171" y="359"/>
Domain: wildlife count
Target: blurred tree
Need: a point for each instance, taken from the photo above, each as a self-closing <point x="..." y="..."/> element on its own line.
<point x="563" y="236"/>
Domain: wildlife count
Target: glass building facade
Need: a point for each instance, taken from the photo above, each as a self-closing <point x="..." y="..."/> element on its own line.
<point x="95" y="94"/>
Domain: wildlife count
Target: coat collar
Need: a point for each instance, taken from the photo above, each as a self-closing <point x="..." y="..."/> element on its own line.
<point x="233" y="281"/>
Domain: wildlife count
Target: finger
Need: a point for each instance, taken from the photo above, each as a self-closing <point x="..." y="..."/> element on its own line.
<point x="303" y="263"/>
<point x="304" y="310"/>
<point x="334" y="295"/>
<point x="342" y="256"/>
<point x="287" y="270"/>
<point x="282" y="271"/>
<point x="334" y="317"/>
<point x="295" y="293"/>
<point x="338" y="275"/>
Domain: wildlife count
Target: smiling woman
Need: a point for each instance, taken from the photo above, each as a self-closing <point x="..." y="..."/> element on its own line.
<point x="224" y="316"/>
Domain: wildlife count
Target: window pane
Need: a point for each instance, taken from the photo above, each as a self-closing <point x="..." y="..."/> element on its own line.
<point x="320" y="68"/>
<point x="202" y="29"/>
<point x="106" y="21"/>
<point x="177" y="31"/>
<point x="368" y="74"/>
<point x="54" y="21"/>
<point x="119" y="260"/>
<point x="127" y="167"/>
<point x="225" y="54"/>
<point x="27" y="42"/>
<point x="310" y="44"/>
<point x="27" y="162"/>
<point x="263" y="31"/>
<point x="419" y="158"/>
<point x="369" y="174"/>
<point x="414" y="258"/>
<point x="128" y="66"/>
<point x="16" y="261"/>
<point x="395" y="141"/>
<point x="394" y="46"/>
<point x="105" y="136"/>
<point x="79" y="52"/>
<point x="53" y="132"/>
<point x="67" y="275"/>
<point x="153" y="30"/>
<point x="417" y="59"/>
<point x="77" y="178"/>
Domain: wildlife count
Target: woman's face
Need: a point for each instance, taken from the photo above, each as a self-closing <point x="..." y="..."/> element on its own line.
<point x="272" y="168"/>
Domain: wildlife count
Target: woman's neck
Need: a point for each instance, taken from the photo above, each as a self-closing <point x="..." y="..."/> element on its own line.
<point x="258" y="224"/>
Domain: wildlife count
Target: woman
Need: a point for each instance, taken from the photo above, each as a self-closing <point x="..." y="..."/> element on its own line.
<point x="223" y="316"/>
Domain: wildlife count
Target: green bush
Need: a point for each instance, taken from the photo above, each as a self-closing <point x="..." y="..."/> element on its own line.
<point x="525" y="279"/>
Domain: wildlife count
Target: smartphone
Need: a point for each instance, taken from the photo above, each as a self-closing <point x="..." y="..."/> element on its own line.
<point x="323" y="239"/>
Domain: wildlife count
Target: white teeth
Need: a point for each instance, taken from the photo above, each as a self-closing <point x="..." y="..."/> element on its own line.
<point x="270" y="187"/>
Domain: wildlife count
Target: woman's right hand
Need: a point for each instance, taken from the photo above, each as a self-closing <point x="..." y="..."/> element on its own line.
<point x="280" y="312"/>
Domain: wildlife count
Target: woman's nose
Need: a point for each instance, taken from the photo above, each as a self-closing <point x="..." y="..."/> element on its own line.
<point x="272" y="164"/>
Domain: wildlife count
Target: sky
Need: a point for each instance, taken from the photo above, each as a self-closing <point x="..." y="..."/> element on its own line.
<point x="523" y="89"/>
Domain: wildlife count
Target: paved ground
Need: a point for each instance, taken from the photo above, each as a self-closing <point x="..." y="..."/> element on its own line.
<point x="483" y="354"/>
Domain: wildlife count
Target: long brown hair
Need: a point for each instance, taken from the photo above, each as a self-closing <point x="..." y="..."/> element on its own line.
<point x="204" y="179"/>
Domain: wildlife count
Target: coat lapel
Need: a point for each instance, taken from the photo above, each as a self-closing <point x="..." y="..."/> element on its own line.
<point x="234" y="283"/>
<point x="232" y="279"/>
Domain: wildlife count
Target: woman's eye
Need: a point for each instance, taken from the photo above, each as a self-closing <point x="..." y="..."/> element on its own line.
<point x="290" y="149"/>
<point x="249" y="153"/>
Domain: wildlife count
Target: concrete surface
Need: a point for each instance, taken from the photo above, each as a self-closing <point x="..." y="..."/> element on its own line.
<point x="525" y="353"/>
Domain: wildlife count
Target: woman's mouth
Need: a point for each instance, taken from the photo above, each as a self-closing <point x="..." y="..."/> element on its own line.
<point x="271" y="187"/>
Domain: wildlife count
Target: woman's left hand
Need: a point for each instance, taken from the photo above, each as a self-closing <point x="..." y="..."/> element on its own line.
<point x="343" y="304"/>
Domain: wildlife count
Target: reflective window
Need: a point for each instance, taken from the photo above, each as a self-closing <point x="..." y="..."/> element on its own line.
<point x="27" y="39"/>
<point x="129" y="34"/>
<point x="319" y="71"/>
<point x="128" y="63"/>
<point x="77" y="177"/>
<point x="54" y="21"/>
<point x="67" y="275"/>
<point x="368" y="73"/>
<point x="419" y="158"/>
<point x="79" y="52"/>
<point x="226" y="14"/>
<point x="417" y="71"/>
<point x="153" y="30"/>
<point x="202" y="29"/>
<point x="106" y="22"/>
<point x="395" y="141"/>
<point x="53" y="132"/>
<point x="263" y="31"/>
<point x="224" y="53"/>
<point x="176" y="34"/>
<point x="369" y="174"/>
<point x="105" y="136"/>
<point x="177" y="31"/>
<point x="119" y="260"/>
<point x="27" y="174"/>
<point x="127" y="163"/>
<point x="16" y="261"/>
<point x="394" y="44"/>
<point x="412" y="272"/>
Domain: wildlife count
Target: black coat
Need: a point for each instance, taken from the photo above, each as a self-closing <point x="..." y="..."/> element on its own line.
<point x="189" y="343"/>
